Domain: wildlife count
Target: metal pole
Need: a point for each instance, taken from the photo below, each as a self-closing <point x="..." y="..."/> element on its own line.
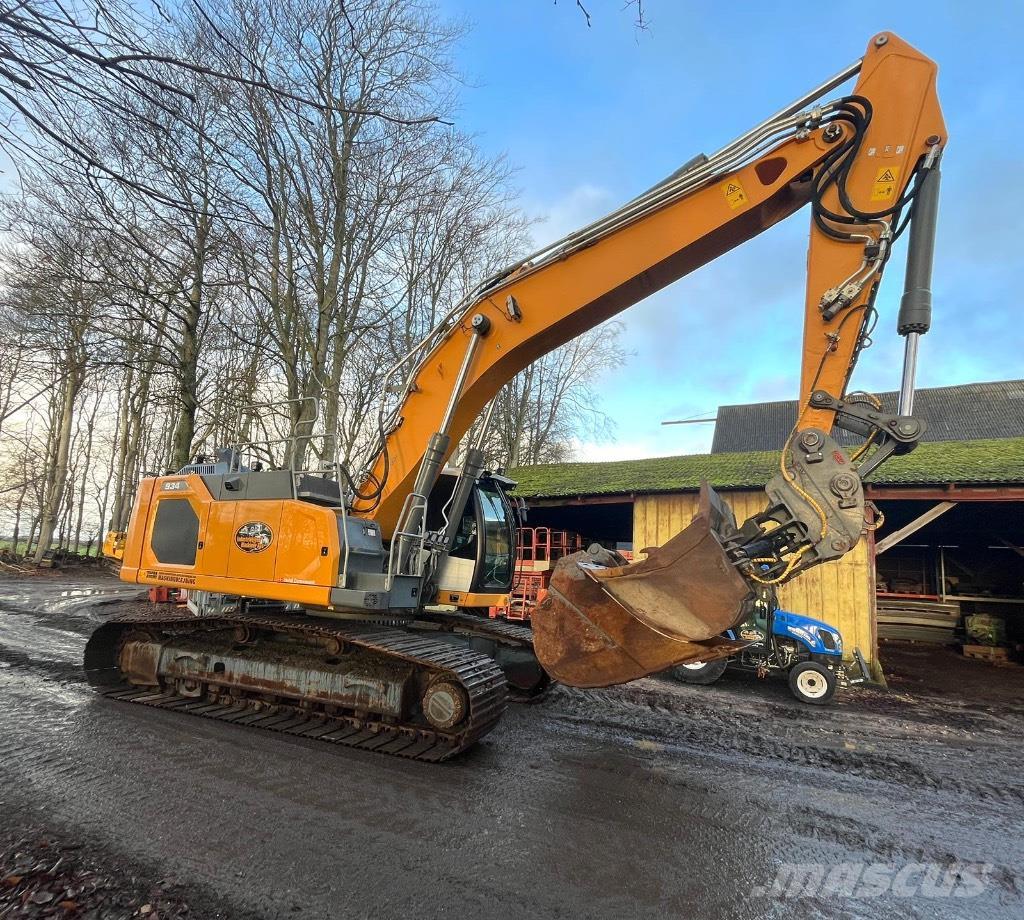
<point x="486" y="424"/>
<point x="437" y="449"/>
<point x="798" y="105"/>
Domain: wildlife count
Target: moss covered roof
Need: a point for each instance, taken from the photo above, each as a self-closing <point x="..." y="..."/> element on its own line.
<point x="995" y="460"/>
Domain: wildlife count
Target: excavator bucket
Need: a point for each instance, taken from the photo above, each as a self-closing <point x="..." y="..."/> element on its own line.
<point x="604" y="624"/>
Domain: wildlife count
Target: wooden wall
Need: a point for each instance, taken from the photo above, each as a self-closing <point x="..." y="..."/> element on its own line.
<point x="840" y="593"/>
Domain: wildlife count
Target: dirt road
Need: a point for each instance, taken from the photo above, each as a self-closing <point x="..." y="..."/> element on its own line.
<point x="650" y="800"/>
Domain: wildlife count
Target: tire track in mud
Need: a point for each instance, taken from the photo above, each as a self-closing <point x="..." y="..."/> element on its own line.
<point x="697" y="726"/>
<point x="556" y="780"/>
<point x="44" y="633"/>
<point x="851" y="836"/>
<point x="163" y="769"/>
<point x="79" y="611"/>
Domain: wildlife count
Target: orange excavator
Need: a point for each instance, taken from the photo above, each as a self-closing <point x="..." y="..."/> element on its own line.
<point x="351" y="607"/>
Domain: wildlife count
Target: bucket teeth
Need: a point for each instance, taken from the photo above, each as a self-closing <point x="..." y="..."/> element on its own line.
<point x="602" y="625"/>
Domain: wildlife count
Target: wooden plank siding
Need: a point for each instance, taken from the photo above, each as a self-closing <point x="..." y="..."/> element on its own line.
<point x="840" y="593"/>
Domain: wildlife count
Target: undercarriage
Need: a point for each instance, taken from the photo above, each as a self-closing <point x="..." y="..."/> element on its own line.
<point x="424" y="689"/>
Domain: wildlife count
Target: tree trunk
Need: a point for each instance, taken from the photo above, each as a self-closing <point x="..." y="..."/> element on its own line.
<point x="86" y="463"/>
<point x="188" y="403"/>
<point x="32" y="532"/>
<point x="58" y="479"/>
<point x="16" y="536"/>
<point x="188" y="367"/>
<point x="121" y="450"/>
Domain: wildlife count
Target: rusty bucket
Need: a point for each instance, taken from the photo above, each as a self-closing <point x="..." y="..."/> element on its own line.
<point x="604" y="624"/>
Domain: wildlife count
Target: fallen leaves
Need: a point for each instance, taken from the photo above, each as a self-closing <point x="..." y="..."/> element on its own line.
<point x="42" y="879"/>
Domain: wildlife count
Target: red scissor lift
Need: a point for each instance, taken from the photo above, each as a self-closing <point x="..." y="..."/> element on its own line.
<point x="538" y="549"/>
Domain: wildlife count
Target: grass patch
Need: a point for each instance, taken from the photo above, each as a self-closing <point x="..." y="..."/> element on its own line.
<point x="994" y="460"/>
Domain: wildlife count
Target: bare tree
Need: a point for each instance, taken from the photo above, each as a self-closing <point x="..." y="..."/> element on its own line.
<point x="556" y="399"/>
<point x="330" y="187"/>
<point x="66" y="65"/>
<point x="56" y="310"/>
<point x="233" y="206"/>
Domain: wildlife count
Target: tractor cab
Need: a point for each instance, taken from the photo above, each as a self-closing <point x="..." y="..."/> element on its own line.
<point x="808" y="651"/>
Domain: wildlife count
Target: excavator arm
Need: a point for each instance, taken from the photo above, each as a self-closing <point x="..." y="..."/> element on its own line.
<point x="865" y="163"/>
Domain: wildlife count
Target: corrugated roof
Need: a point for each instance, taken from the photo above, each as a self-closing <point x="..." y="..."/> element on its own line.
<point x="992" y="460"/>
<point x="960" y="413"/>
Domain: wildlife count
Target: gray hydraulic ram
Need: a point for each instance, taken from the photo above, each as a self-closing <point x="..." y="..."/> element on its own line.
<point x="915" y="317"/>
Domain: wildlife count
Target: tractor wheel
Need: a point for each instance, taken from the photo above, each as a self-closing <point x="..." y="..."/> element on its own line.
<point x="699" y="672"/>
<point x="812" y="683"/>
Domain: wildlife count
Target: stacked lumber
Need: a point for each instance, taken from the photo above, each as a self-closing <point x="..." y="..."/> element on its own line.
<point x="919" y="620"/>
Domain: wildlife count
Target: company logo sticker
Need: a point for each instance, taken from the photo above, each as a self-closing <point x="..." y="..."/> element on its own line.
<point x="253" y="537"/>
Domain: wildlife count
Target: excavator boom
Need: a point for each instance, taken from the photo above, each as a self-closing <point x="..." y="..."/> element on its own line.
<point x="877" y="140"/>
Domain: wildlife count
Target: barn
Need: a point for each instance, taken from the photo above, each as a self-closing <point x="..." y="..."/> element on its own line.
<point x="951" y="542"/>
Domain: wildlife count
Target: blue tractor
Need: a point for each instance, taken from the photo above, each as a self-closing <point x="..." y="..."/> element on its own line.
<point x="809" y="651"/>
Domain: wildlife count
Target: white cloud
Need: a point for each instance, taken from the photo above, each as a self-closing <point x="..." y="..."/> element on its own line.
<point x="580" y="206"/>
<point x="591" y="452"/>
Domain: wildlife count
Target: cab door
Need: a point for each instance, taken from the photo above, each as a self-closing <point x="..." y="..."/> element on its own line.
<point x="496" y="539"/>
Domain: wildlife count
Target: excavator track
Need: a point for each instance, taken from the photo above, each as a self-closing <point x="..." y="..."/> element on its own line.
<point x="512" y="647"/>
<point x="384" y="675"/>
<point x="467" y="623"/>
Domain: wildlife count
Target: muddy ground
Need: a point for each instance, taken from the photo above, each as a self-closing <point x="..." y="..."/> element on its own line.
<point x="650" y="800"/>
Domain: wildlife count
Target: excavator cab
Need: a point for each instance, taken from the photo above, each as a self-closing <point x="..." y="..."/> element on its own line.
<point x="479" y="569"/>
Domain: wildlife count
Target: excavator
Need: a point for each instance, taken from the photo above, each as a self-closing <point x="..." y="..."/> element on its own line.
<point x="347" y="607"/>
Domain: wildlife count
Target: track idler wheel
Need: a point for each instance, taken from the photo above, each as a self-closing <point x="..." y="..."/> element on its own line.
<point x="445" y="705"/>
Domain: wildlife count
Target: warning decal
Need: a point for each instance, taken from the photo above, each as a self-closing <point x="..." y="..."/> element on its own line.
<point x="885" y="185"/>
<point x="734" y="194"/>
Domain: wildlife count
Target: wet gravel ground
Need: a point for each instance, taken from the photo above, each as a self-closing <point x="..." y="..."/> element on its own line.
<point x="649" y="800"/>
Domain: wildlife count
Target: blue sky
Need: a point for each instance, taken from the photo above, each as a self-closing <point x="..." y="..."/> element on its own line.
<point x="593" y="116"/>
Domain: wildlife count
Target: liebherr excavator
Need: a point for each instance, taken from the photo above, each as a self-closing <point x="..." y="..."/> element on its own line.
<point x="345" y="603"/>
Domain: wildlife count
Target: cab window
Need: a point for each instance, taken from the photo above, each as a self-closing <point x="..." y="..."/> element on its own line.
<point x="497" y="556"/>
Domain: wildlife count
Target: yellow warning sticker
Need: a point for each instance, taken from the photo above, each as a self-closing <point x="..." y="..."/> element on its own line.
<point x="885" y="185"/>
<point x="734" y="194"/>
